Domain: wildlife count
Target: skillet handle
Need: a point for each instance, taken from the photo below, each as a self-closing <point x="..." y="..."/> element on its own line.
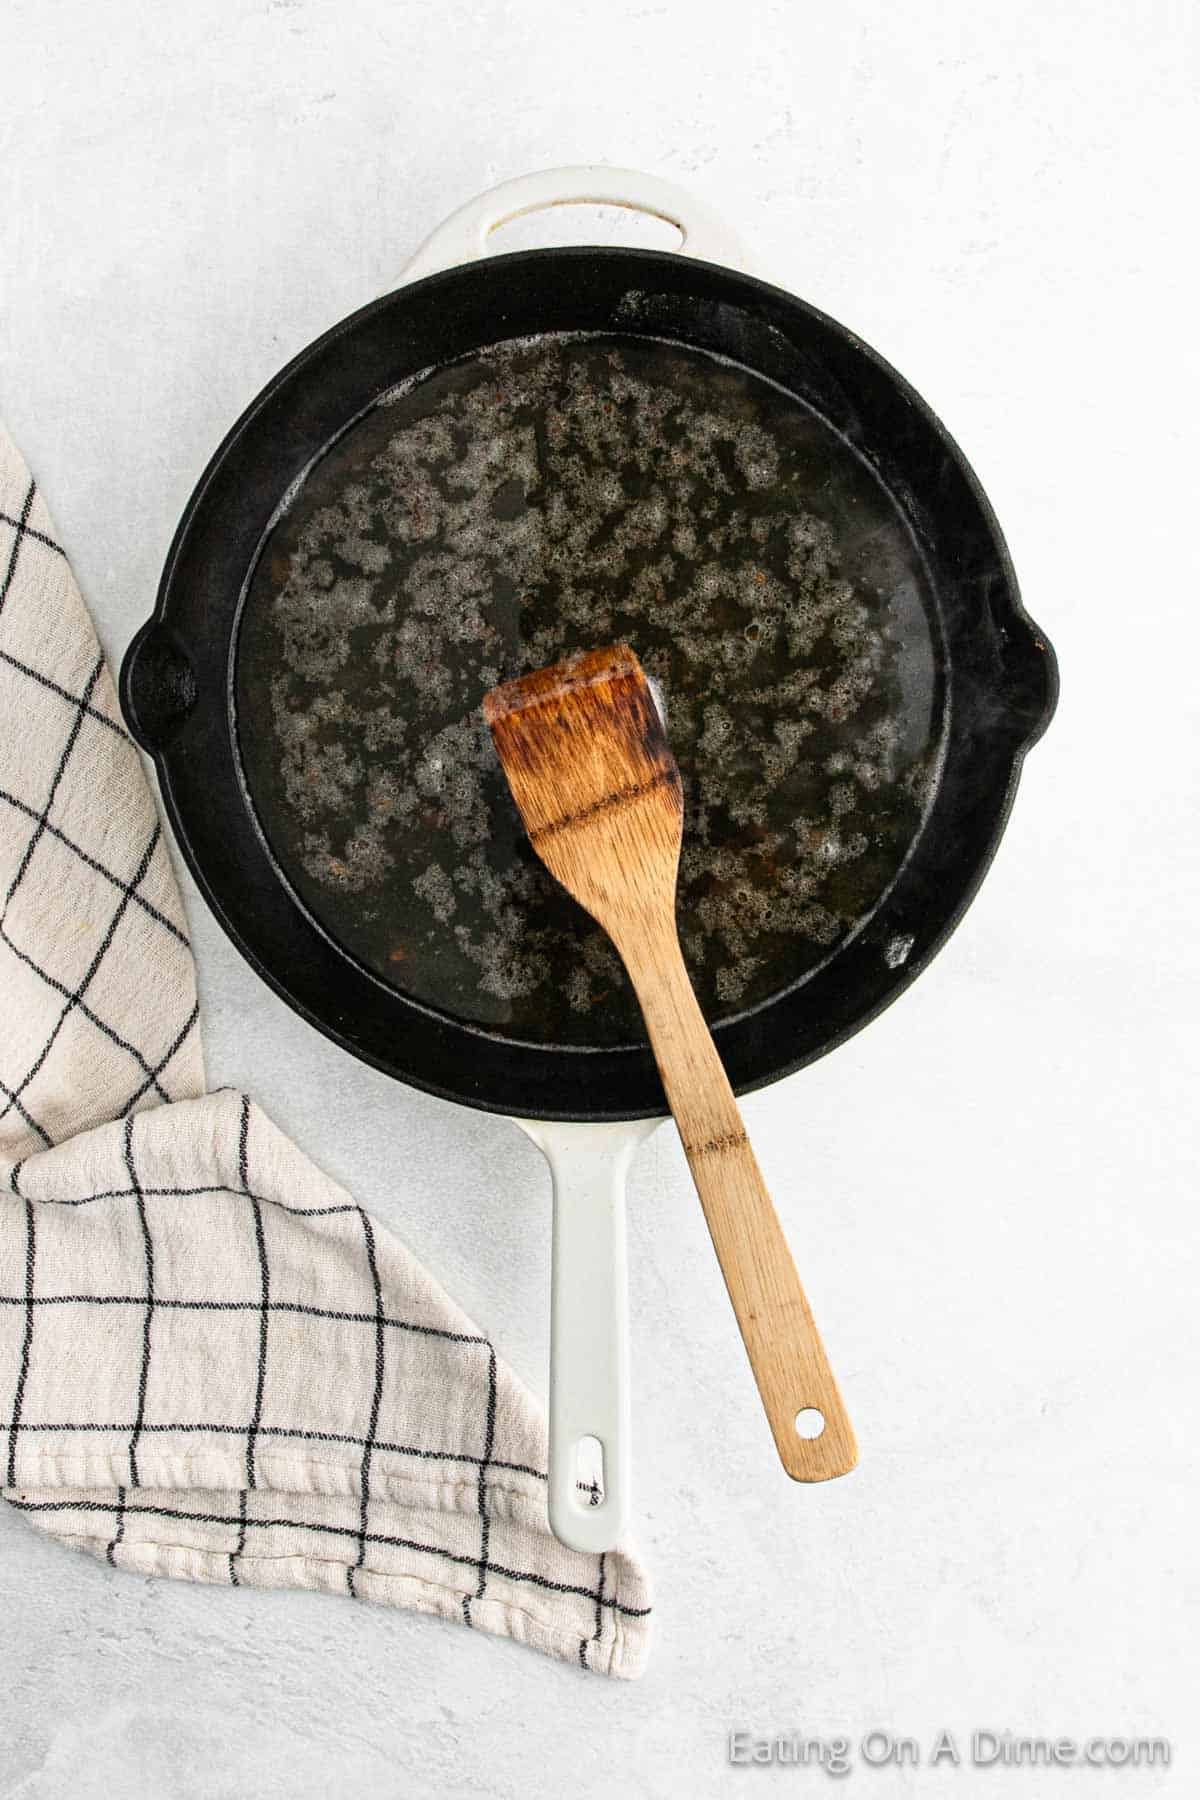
<point x="158" y="686"/>
<point x="462" y="238"/>
<point x="1031" y="679"/>
<point x="589" y="1328"/>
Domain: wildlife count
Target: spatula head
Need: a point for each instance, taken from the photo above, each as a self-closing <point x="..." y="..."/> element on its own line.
<point x="586" y="757"/>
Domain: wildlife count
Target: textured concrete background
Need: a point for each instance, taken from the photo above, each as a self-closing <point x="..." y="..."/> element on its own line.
<point x="990" y="1191"/>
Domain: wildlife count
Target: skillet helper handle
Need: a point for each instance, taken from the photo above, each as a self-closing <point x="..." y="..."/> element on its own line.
<point x="590" y="1452"/>
<point x="779" y="1332"/>
<point x="463" y="237"/>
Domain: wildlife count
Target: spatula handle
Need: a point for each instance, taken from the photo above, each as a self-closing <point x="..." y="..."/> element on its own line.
<point x="777" y="1326"/>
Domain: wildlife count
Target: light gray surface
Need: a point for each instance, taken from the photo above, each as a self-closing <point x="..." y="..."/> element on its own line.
<point x="991" y="1192"/>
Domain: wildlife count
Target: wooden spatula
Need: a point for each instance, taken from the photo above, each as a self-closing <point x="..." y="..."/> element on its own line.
<point x="587" y="759"/>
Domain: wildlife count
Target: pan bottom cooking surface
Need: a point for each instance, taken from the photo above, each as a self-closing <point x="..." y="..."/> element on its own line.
<point x="555" y="494"/>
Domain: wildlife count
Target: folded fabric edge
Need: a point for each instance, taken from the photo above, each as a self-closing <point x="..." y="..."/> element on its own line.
<point x="623" y="1658"/>
<point x="519" y="1497"/>
<point x="204" y="1488"/>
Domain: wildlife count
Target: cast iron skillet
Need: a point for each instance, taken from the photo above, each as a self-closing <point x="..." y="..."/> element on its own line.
<point x="178" y="680"/>
<point x="992" y="675"/>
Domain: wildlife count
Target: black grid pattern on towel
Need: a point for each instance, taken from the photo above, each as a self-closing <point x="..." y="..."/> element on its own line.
<point x="377" y="1323"/>
<point x="81" y="717"/>
<point x="152" y="1311"/>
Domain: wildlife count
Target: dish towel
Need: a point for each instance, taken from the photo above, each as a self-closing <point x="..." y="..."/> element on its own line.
<point x="214" y="1364"/>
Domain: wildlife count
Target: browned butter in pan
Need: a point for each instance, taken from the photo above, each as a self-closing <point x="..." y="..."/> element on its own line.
<point x="551" y="495"/>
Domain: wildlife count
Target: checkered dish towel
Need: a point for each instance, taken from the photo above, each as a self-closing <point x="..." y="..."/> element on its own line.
<point x="213" y="1363"/>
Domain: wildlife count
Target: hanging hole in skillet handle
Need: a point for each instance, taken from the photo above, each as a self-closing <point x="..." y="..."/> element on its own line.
<point x="463" y="238"/>
<point x="584" y="226"/>
<point x="589" y="1471"/>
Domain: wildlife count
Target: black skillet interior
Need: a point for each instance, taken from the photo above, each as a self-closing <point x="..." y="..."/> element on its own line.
<point x="610" y="444"/>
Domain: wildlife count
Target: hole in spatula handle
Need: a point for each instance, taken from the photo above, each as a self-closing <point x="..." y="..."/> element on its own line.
<point x="810" y="1422"/>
